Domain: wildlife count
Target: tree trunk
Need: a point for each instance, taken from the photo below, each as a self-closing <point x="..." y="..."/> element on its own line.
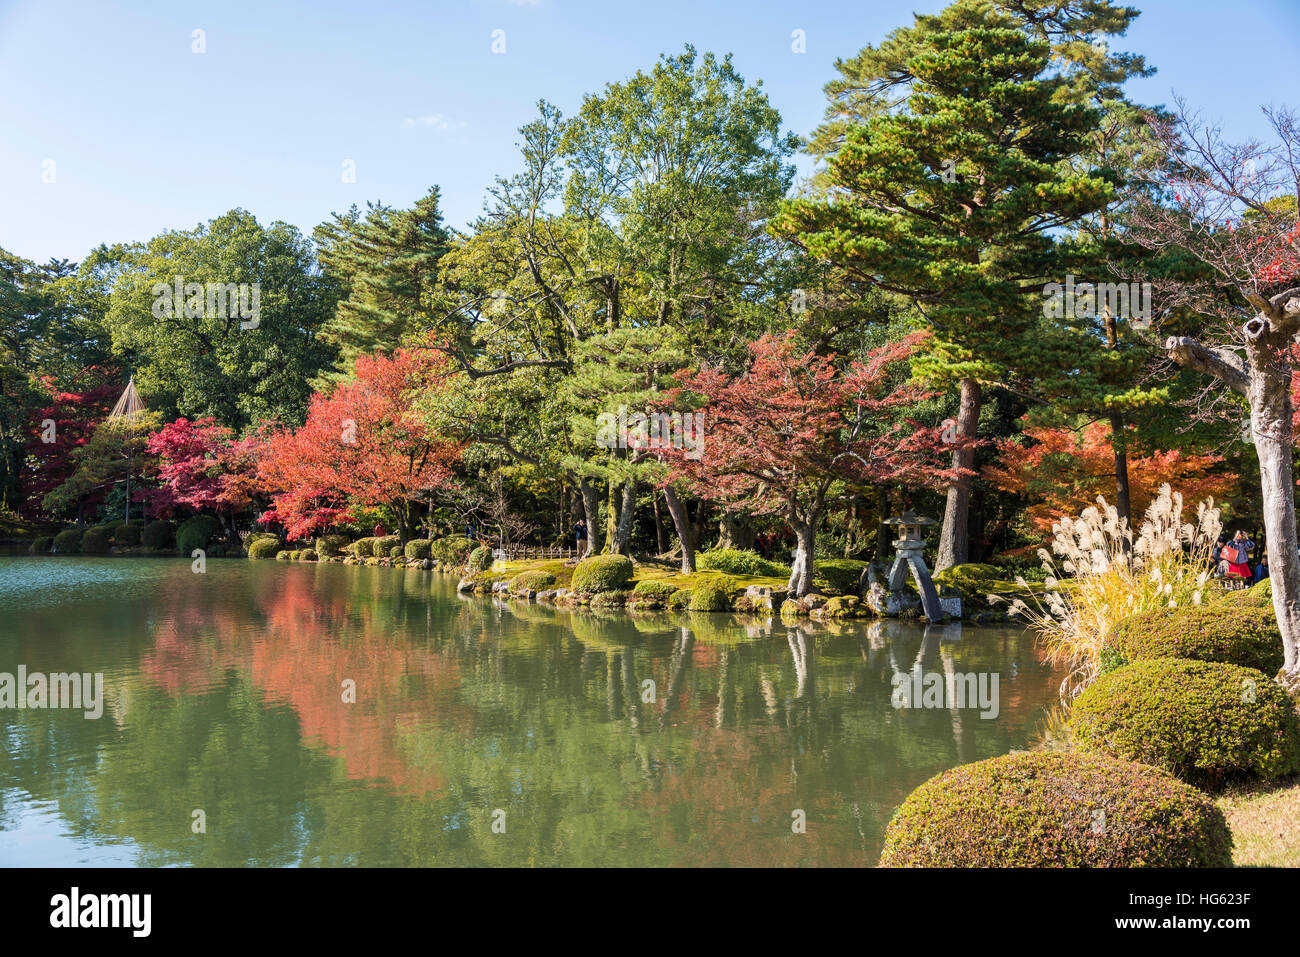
<point x="801" y="570"/>
<point x="685" y="531"/>
<point x="590" y="512"/>
<point x="1270" y="424"/>
<point x="734" y="532"/>
<point x="623" y="530"/>
<point x="659" y="524"/>
<point x="954" y="541"/>
<point x="882" y="530"/>
<point x="1123" y="502"/>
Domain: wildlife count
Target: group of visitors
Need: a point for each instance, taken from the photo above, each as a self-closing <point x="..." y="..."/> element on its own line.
<point x="1231" y="558"/>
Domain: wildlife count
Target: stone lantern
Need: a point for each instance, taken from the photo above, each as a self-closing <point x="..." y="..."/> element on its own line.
<point x="909" y="551"/>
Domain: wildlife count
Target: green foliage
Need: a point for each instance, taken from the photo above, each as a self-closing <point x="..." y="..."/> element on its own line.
<point x="740" y="561"/>
<point x="68" y="541"/>
<point x="975" y="582"/>
<point x="196" y="532"/>
<point x="307" y="555"/>
<point x="532" y="581"/>
<point x="396" y="552"/>
<point x="679" y="600"/>
<point x="480" y="559"/>
<point x="262" y="548"/>
<point x="363" y="547"/>
<point x="127" y="534"/>
<point x="418" y="549"/>
<point x="1042" y="809"/>
<point x="383" y="547"/>
<point x="97" y="540"/>
<point x="1207" y="722"/>
<point x="283" y="555"/>
<point x="841" y="574"/>
<point x="295" y="555"/>
<point x="712" y="593"/>
<point x="1243" y="635"/>
<point x="452" y="550"/>
<point x="609" y="599"/>
<point x="41" y="545"/>
<point x="654" y="588"/>
<point x="331" y="545"/>
<point x="602" y="573"/>
<point x="158" y="534"/>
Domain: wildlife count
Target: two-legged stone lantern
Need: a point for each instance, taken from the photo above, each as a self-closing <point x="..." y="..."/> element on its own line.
<point x="909" y="549"/>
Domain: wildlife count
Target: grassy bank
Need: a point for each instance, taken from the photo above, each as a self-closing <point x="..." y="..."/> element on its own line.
<point x="1265" y="823"/>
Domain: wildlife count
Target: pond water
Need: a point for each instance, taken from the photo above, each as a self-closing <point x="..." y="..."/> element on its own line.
<point x="482" y="732"/>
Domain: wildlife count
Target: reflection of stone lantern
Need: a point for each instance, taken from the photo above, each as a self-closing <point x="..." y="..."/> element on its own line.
<point x="910" y="549"/>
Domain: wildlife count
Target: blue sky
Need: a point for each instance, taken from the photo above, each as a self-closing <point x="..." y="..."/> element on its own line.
<point x="145" y="134"/>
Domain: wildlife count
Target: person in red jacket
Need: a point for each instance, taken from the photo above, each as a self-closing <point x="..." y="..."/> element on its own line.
<point x="379" y="530"/>
<point x="1237" y="554"/>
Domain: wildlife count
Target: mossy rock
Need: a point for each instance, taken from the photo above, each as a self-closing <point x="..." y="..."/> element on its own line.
<point x="158" y="534"/>
<point x="264" y="547"/>
<point x="68" y="541"/>
<point x="1056" y="809"/>
<point x="609" y="599"/>
<point x="97" y="540"/>
<point x="1243" y="635"/>
<point x="283" y="555"/>
<point x="843" y="606"/>
<point x="712" y="593"/>
<point x="1207" y="722"/>
<point x="602" y="573"/>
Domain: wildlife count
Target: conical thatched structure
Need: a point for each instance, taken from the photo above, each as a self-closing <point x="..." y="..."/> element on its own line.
<point x="129" y="405"/>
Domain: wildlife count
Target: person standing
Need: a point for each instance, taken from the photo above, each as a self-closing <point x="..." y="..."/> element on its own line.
<point x="1237" y="554"/>
<point x="1261" y="570"/>
<point x="580" y="535"/>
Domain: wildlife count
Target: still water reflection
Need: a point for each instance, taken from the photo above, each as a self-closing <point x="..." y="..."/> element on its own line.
<point x="606" y="739"/>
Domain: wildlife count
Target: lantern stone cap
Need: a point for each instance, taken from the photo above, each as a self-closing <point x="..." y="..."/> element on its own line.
<point x="910" y="518"/>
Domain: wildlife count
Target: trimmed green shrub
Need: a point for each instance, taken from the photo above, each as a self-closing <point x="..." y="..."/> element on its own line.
<point x="1243" y="635"/>
<point x="532" y="581"/>
<point x="1056" y="809"/>
<point x="841" y="574"/>
<point x="602" y="573"/>
<point x="97" y="540"/>
<point x="679" y="600"/>
<point x="975" y="582"/>
<point x="452" y="550"/>
<point x="655" y="588"/>
<point x="283" y="555"/>
<point x="739" y="561"/>
<point x="480" y="559"/>
<point x="712" y="593"/>
<point x="363" y="547"/>
<point x="157" y="534"/>
<point x="41" y="545"/>
<point x="417" y="549"/>
<point x="307" y="555"/>
<point x="68" y="541"/>
<point x="1206" y="722"/>
<point x="196" y="532"/>
<point x="331" y="545"/>
<point x="609" y="599"/>
<point x="127" y="534"/>
<point x="383" y="547"/>
<point x="295" y="555"/>
<point x="396" y="552"/>
<point x="264" y="547"/>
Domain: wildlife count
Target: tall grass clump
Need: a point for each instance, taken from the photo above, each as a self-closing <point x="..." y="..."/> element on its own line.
<point x="1105" y="575"/>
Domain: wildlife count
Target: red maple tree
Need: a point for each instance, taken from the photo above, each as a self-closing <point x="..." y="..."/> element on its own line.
<point x="779" y="436"/>
<point x="361" y="445"/>
<point x="56" y="431"/>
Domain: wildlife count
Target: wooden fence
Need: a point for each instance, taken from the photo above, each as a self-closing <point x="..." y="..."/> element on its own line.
<point x="523" y="553"/>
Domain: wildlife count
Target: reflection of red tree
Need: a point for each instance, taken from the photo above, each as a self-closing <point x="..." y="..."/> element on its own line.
<point x="298" y="657"/>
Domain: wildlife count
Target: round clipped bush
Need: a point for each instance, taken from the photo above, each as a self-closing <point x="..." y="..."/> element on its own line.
<point x="157" y="534"/>
<point x="480" y="559"/>
<point x="679" y="600"/>
<point x="264" y="547"/>
<point x="532" y="581"/>
<point x="97" y="540"/>
<point x="712" y="594"/>
<point x="283" y="555"/>
<point x="1237" y="634"/>
<point x="739" y="561"/>
<point x="383" y="547"/>
<point x="68" y="541"/>
<point x="417" y="549"/>
<point x="1056" y="809"/>
<point x="655" y="588"/>
<point x="41" y="545"/>
<point x="602" y="573"/>
<point x="295" y="555"/>
<point x="362" y="547"/>
<point x="196" y="532"/>
<point x="331" y="545"/>
<point x="127" y="534"/>
<point x="307" y="555"/>
<point x="1207" y="722"/>
<point x="452" y="550"/>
